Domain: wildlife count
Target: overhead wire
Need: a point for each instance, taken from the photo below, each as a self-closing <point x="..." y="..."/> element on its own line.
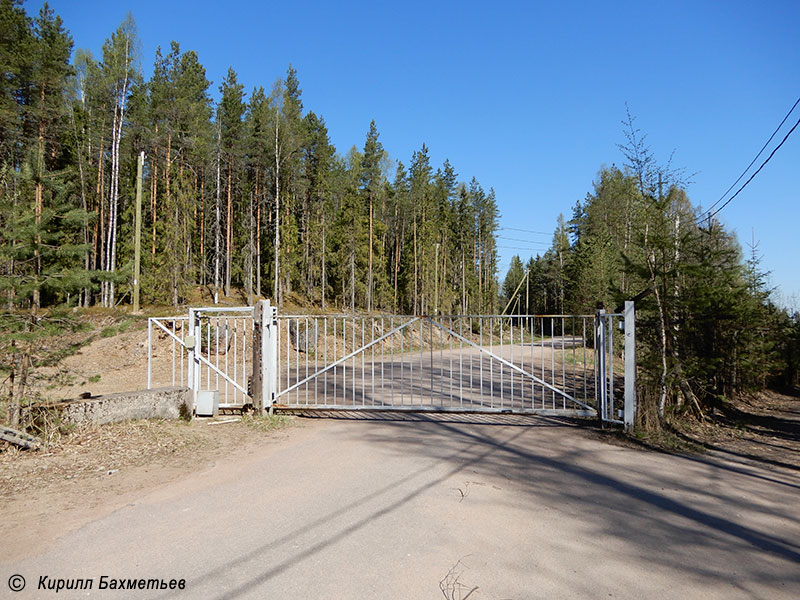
<point x="744" y="185"/>
<point x="519" y="248"/>
<point x="709" y="212"/>
<point x="527" y="230"/>
<point x="502" y="237"/>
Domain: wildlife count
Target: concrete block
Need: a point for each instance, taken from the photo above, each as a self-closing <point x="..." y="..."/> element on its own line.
<point x="160" y="403"/>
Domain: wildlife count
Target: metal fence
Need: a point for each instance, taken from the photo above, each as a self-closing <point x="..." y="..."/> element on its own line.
<point x="166" y="352"/>
<point x="551" y="364"/>
<point x="473" y="362"/>
<point x="616" y="360"/>
<point x="210" y="350"/>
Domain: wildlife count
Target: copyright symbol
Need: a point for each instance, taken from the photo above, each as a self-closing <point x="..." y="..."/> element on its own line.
<point x="16" y="583"/>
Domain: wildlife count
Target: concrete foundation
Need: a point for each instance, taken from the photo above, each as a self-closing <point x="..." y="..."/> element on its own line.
<point x="160" y="403"/>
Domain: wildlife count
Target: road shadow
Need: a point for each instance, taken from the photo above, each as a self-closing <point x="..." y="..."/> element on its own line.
<point x="652" y="505"/>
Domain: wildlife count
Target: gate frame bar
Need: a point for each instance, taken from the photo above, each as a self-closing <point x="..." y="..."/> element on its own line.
<point x="265" y="356"/>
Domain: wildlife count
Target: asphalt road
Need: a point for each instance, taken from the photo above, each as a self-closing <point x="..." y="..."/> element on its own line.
<point x="456" y="506"/>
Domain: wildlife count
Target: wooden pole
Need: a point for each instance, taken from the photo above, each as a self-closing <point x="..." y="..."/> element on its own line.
<point x="138" y="237"/>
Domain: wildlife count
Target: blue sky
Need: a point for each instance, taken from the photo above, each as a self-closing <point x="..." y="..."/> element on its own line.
<point x="527" y="97"/>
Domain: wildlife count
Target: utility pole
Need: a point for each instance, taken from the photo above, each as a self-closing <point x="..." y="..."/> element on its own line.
<point x="137" y="249"/>
<point x="514" y="295"/>
<point x="527" y="295"/>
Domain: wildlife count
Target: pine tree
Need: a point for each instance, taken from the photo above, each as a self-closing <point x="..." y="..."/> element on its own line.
<point x="229" y="114"/>
<point x="317" y="161"/>
<point x="350" y="234"/>
<point x="16" y="55"/>
<point x="398" y="219"/>
<point x="258" y="127"/>
<point x="371" y="186"/>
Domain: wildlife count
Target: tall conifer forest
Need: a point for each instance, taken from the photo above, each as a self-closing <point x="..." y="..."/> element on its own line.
<point x="246" y="197"/>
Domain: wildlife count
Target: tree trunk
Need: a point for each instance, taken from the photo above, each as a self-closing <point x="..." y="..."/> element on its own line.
<point x="662" y="339"/>
<point x="38" y="209"/>
<point x="14" y="406"/>
<point x="287" y="256"/>
<point x="324" y="276"/>
<point x="202" y="227"/>
<point x="229" y="230"/>
<point x="99" y="231"/>
<point x="416" y="275"/>
<point x="154" y="197"/>
<point x="369" y="268"/>
<point x="13" y="403"/>
<point x="479" y="252"/>
<point x="121" y="101"/>
<point x="275" y="274"/>
<point x="119" y="117"/>
<point x="250" y="253"/>
<point x="167" y="165"/>
<point x="463" y="281"/>
<point x="217" y="224"/>
<point x="396" y="247"/>
<point x="352" y="277"/>
<point x="83" y="298"/>
<point x="258" y="236"/>
<point x="112" y="221"/>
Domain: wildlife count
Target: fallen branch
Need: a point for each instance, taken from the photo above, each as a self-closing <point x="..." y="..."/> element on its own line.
<point x="19" y="438"/>
<point x="451" y="586"/>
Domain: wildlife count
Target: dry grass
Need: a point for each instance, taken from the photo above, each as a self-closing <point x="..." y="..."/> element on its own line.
<point x="101" y="451"/>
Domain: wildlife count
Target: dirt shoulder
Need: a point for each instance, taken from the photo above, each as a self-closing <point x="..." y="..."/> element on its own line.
<point x="94" y="471"/>
<point x="765" y="428"/>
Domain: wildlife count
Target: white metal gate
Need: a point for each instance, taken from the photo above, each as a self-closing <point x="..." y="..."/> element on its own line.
<point x="475" y="363"/>
<point x="542" y="364"/>
<point x="210" y="350"/>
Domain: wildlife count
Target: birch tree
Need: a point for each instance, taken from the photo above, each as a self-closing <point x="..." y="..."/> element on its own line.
<point x="119" y="73"/>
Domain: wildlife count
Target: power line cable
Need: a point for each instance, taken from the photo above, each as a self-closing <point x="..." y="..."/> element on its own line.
<point x="527" y="230"/>
<point x="752" y="162"/>
<point x="728" y="201"/>
<point x="502" y="237"/>
<point x="519" y="248"/>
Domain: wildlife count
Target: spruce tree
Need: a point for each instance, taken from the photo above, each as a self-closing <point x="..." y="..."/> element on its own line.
<point x="371" y="186"/>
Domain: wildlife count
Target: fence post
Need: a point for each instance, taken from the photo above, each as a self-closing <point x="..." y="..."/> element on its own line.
<point x="271" y="392"/>
<point x="600" y="363"/>
<point x="264" y="356"/>
<point x="197" y="340"/>
<point x="150" y="353"/>
<point x="259" y="374"/>
<point x="189" y="342"/>
<point x="630" y="365"/>
<point x="189" y="345"/>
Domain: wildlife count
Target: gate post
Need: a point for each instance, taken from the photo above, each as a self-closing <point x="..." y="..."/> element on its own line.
<point x="630" y="365"/>
<point x="600" y="364"/>
<point x="190" y="343"/>
<point x="271" y="356"/>
<point x="259" y="365"/>
<point x="197" y="337"/>
<point x="265" y="340"/>
<point x="150" y="353"/>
